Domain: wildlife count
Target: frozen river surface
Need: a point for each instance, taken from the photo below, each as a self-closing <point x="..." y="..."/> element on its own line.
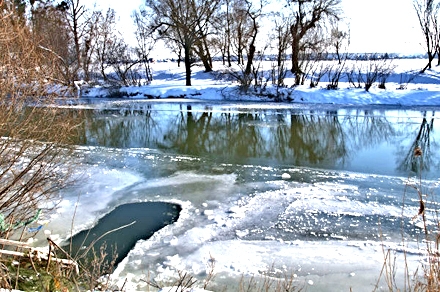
<point x="267" y="190"/>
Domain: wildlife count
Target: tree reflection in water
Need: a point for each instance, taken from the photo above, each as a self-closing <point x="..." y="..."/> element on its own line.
<point x="316" y="139"/>
<point x="290" y="137"/>
<point x="368" y="128"/>
<point x="423" y="141"/>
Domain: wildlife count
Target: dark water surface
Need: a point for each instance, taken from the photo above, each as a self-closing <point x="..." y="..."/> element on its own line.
<point x="141" y="220"/>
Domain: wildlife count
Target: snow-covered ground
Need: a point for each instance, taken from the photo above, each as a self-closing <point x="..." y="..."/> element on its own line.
<point x="169" y="81"/>
<point x="329" y="230"/>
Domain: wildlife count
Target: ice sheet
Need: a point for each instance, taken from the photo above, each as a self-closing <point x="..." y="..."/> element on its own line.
<point x="322" y="227"/>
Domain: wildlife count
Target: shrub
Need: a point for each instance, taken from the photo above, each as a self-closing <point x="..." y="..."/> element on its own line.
<point x="33" y="136"/>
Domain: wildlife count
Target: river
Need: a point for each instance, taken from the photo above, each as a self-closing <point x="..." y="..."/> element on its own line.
<point x="317" y="192"/>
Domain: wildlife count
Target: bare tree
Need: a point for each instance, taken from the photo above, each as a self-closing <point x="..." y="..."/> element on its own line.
<point x="282" y="26"/>
<point x="280" y="40"/>
<point x="121" y="58"/>
<point x="369" y="71"/>
<point x="427" y="13"/>
<point x="188" y="24"/>
<point x="340" y="41"/>
<point x="314" y="51"/>
<point x="79" y="28"/>
<point x="176" y="48"/>
<point x="309" y="16"/>
<point x="145" y="44"/>
<point x="69" y="31"/>
<point x="377" y="69"/>
<point x="246" y="29"/>
<point x="223" y="28"/>
<point x="49" y="26"/>
<point x="105" y="39"/>
<point x="253" y="14"/>
<point x="242" y="27"/>
<point x="74" y="13"/>
<point x="90" y="43"/>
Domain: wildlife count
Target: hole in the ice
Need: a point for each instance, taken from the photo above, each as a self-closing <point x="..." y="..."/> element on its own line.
<point x="148" y="217"/>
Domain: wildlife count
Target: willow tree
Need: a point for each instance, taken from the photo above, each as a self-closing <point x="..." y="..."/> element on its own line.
<point x="309" y="16"/>
<point x="187" y="23"/>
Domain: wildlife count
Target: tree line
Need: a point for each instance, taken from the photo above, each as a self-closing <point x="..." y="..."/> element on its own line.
<point x="88" y="45"/>
<point x="87" y="42"/>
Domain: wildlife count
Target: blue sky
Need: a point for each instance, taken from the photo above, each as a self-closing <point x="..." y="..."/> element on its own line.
<point x="376" y="25"/>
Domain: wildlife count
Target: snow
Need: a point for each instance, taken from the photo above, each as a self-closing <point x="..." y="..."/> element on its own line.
<point x="169" y="82"/>
<point x="255" y="235"/>
<point x="227" y="235"/>
<point x="322" y="233"/>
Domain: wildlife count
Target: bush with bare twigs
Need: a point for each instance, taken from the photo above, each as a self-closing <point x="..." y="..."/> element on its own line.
<point x="32" y="163"/>
<point x="34" y="149"/>
<point x="367" y="72"/>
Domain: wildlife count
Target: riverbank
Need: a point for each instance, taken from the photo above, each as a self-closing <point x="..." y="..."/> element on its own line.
<point x="404" y="87"/>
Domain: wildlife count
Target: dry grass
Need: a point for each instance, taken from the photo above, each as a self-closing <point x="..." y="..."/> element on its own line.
<point x="186" y="282"/>
<point x="266" y="284"/>
<point x="31" y="272"/>
<point x="427" y="276"/>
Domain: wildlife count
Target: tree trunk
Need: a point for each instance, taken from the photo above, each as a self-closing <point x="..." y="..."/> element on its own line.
<point x="280" y="56"/>
<point x="223" y="52"/>
<point x="179" y="57"/>
<point x="228" y="54"/>
<point x="250" y="59"/>
<point x="187" y="65"/>
<point x="228" y="35"/>
<point x="204" y="56"/>
<point x="295" y="61"/>
<point x="206" y="63"/>
<point x="438" y="56"/>
<point x="207" y="54"/>
<point x="240" y="46"/>
<point x="104" y="76"/>
<point x="252" y="47"/>
<point x="429" y="64"/>
<point x="338" y="55"/>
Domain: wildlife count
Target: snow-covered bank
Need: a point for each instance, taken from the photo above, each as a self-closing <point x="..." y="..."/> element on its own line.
<point x="169" y="82"/>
